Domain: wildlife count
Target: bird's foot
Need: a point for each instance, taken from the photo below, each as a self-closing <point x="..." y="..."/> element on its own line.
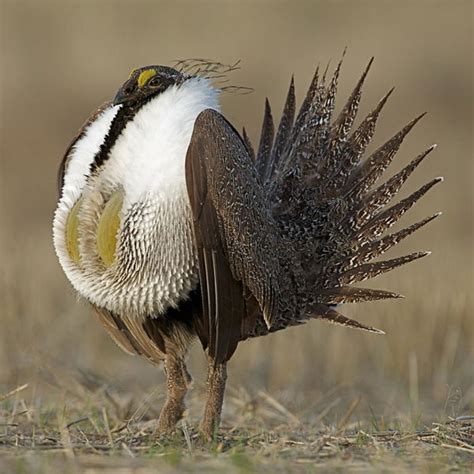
<point x="208" y="430"/>
<point x="216" y="378"/>
<point x="170" y="414"/>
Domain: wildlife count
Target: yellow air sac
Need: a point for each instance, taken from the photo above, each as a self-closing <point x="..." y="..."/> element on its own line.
<point x="72" y="233"/>
<point x="108" y="227"/>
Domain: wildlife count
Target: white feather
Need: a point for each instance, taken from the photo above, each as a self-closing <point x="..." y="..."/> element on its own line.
<point x="83" y="153"/>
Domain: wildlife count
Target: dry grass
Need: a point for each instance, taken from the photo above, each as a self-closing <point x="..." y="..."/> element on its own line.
<point x="99" y="430"/>
<point x="58" y="61"/>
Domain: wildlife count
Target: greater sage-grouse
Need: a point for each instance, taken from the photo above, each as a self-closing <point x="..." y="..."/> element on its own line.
<point x="173" y="227"/>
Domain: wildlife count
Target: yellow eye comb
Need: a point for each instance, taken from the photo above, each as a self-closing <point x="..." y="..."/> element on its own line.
<point x="145" y="76"/>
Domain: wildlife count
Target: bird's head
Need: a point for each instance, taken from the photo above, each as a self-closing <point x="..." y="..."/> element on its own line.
<point x="145" y="83"/>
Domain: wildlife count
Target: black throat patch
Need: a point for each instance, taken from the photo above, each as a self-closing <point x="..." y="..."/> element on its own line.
<point x="123" y="116"/>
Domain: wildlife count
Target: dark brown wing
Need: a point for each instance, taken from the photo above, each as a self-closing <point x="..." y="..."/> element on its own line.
<point x="132" y="335"/>
<point x="235" y="235"/>
<point x="116" y="331"/>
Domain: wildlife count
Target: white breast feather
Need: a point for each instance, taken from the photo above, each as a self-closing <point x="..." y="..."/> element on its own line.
<point x="83" y="153"/>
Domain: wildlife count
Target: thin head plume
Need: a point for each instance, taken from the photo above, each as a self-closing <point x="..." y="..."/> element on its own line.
<point x="242" y="90"/>
<point x="204" y="67"/>
<point x="213" y="70"/>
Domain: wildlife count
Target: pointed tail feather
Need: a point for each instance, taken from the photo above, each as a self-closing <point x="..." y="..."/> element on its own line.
<point x="307" y="150"/>
<point x="266" y="142"/>
<point x="330" y="315"/>
<point x="371" y="270"/>
<point x="248" y="144"/>
<point x="373" y="167"/>
<point x="343" y="124"/>
<point x="383" y="194"/>
<point x="306" y="105"/>
<point x="363" y="135"/>
<point x="298" y="132"/>
<point x="378" y="247"/>
<point x="352" y="294"/>
<point x="384" y="220"/>
<point x="379" y="197"/>
<point x="354" y="148"/>
<point x="304" y="132"/>
<point x="323" y="160"/>
<point x="284" y="129"/>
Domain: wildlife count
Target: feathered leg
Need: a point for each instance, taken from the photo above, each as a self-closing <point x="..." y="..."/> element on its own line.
<point x="178" y="380"/>
<point x="216" y="378"/>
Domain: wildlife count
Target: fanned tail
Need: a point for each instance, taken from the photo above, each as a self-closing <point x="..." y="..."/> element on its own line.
<point x="323" y="195"/>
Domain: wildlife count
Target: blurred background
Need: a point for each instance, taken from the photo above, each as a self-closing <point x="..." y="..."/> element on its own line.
<point x="61" y="59"/>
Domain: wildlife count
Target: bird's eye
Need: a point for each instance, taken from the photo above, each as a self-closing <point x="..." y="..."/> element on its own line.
<point x="154" y="81"/>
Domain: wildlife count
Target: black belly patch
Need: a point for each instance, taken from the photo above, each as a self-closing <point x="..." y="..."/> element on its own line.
<point x="180" y="321"/>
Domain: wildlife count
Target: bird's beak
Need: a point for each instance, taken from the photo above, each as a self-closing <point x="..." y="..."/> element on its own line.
<point x="119" y="98"/>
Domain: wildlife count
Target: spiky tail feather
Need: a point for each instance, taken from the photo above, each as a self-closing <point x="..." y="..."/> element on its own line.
<point x="323" y="197"/>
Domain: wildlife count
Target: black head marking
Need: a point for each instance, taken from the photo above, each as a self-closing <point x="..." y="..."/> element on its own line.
<point x="147" y="82"/>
